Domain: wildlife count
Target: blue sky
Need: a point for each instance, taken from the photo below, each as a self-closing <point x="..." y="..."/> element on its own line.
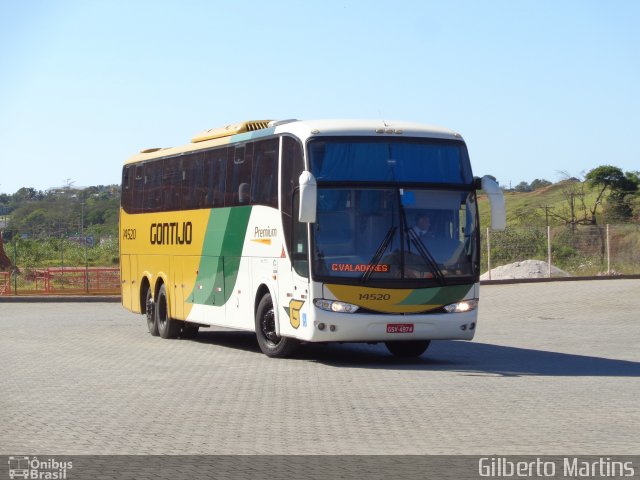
<point x="535" y="87"/>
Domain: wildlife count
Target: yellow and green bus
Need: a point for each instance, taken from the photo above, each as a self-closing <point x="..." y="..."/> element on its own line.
<point x="307" y="231"/>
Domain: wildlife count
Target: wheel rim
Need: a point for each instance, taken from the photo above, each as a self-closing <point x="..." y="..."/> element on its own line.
<point x="268" y="327"/>
<point x="149" y="308"/>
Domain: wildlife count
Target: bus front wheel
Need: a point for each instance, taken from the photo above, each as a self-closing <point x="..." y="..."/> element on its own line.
<point x="270" y="343"/>
<point x="408" y="349"/>
<point x="167" y="327"/>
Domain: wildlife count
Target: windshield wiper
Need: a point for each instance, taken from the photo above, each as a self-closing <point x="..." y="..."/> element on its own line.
<point x="412" y="237"/>
<point x="375" y="260"/>
<point x="426" y="256"/>
<point x="420" y="246"/>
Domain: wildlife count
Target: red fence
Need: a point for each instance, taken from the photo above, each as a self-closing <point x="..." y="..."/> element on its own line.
<point x="5" y="283"/>
<point x="67" y="280"/>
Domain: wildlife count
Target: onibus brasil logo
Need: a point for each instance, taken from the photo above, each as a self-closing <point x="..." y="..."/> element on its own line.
<point x="32" y="467"/>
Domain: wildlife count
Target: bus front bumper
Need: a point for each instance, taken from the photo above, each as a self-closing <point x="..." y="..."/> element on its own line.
<point x="354" y="327"/>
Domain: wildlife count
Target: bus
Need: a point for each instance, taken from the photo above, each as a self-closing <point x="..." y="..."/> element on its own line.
<point x="307" y="231"/>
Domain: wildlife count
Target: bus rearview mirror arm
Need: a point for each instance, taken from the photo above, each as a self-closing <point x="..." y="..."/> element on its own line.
<point x="496" y="200"/>
<point x="308" y="197"/>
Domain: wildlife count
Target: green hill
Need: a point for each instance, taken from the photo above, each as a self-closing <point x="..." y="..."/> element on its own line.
<point x="581" y="250"/>
<point x="531" y="208"/>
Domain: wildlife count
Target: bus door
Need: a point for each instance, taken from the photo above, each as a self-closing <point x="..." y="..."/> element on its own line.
<point x="297" y="295"/>
<point x="293" y="271"/>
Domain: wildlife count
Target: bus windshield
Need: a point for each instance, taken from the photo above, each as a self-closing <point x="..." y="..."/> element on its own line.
<point x="366" y="159"/>
<point x="394" y="235"/>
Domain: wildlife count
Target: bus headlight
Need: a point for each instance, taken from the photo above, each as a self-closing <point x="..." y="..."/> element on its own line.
<point x="463" y="306"/>
<point x="335" y="306"/>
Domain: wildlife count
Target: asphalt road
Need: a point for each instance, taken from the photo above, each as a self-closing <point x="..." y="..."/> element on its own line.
<point x="554" y="369"/>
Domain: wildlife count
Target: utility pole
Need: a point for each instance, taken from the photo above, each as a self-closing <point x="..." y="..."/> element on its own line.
<point x="15" y="263"/>
<point x="572" y="207"/>
<point x="84" y="241"/>
<point x="546" y="213"/>
<point x="61" y="257"/>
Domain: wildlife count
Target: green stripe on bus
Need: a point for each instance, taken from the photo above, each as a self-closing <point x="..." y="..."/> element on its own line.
<point x="221" y="254"/>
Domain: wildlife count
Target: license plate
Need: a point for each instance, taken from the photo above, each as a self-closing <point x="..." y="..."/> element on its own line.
<point x="399" y="327"/>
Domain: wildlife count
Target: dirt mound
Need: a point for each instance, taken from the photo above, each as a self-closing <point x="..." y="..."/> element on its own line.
<point x="524" y="269"/>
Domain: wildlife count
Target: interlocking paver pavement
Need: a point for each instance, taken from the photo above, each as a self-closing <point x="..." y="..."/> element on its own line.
<point x="554" y="369"/>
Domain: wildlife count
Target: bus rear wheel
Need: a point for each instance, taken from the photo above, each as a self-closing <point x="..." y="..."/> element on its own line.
<point x="167" y="327"/>
<point x="149" y="308"/>
<point x="408" y="349"/>
<point x="270" y="343"/>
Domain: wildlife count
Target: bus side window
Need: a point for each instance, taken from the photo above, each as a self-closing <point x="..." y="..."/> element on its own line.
<point x="138" y="189"/>
<point x="265" y="173"/>
<point x="152" y="186"/>
<point x="193" y="182"/>
<point x="127" y="187"/>
<point x="205" y="184"/>
<point x="291" y="168"/>
<point x="240" y="173"/>
<point x="300" y="247"/>
<point x="218" y="174"/>
<point x="172" y="180"/>
<point x="186" y="187"/>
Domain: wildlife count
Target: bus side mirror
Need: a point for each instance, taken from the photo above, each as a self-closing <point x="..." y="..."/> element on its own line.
<point x="496" y="201"/>
<point x="308" y="197"/>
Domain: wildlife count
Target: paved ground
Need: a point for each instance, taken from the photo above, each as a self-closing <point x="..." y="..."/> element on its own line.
<point x="554" y="369"/>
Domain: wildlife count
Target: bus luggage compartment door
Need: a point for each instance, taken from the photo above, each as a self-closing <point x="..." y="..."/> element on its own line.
<point x="209" y="288"/>
<point x="125" y="281"/>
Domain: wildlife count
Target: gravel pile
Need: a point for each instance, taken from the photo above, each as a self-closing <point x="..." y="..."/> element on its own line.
<point x="524" y="269"/>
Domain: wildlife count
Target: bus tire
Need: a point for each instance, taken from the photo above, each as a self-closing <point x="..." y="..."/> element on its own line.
<point x="270" y="343"/>
<point x="149" y="308"/>
<point x="167" y="327"/>
<point x="408" y="349"/>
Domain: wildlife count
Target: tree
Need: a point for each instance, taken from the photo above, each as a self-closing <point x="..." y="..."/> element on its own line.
<point x="619" y="184"/>
<point x="605" y="176"/>
<point x="27" y="194"/>
<point x="539" y="183"/>
<point x="523" y="187"/>
<point x="634" y="177"/>
<point x="575" y="211"/>
<point x="634" y="198"/>
<point x="33" y="212"/>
